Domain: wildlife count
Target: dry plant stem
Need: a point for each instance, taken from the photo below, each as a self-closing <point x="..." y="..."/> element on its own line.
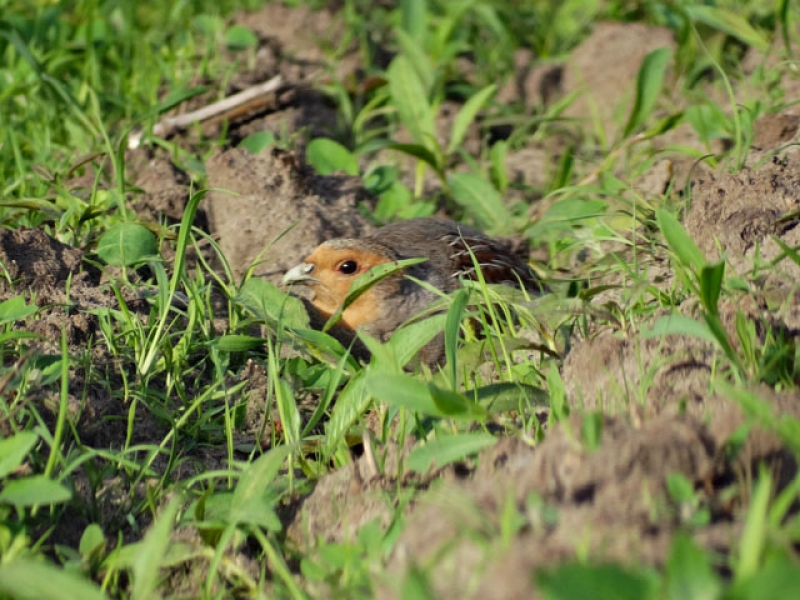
<point x="232" y="106"/>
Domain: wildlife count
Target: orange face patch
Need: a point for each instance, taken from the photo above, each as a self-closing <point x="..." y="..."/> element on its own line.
<point x="336" y="270"/>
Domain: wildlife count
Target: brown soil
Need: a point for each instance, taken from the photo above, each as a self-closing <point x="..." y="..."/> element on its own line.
<point x="660" y="417"/>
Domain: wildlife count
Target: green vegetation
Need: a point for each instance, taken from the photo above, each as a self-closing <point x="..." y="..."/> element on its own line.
<point x="78" y="77"/>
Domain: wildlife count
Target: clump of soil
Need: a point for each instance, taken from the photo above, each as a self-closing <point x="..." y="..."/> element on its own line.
<point x="273" y="206"/>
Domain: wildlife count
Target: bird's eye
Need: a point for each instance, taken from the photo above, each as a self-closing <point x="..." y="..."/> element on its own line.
<point x="348" y="267"/>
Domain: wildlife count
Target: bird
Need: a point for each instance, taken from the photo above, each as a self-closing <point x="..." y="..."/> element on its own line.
<point x="448" y="248"/>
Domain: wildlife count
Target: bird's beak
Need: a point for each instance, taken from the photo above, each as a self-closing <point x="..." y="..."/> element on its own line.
<point x="300" y="274"/>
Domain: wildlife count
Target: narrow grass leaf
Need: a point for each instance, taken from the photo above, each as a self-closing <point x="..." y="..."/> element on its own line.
<point x="466" y="116"/>
<point x="754" y="534"/>
<point x="448" y="449"/>
<point x="481" y="200"/>
<point x="711" y="277"/>
<point x="150" y="552"/>
<point x="184" y="233"/>
<point x="648" y="87"/>
<point x="411" y="101"/>
<point x="728" y="22"/>
<point x="721" y="338"/>
<point x="679" y="241"/>
<point x="30" y="579"/>
<point x="328" y="156"/>
<point x="34" y="491"/>
<point x="452" y="329"/>
<point x="559" y="409"/>
<point x="786" y="251"/>
<point x="14" y="449"/>
<point x="177" y="97"/>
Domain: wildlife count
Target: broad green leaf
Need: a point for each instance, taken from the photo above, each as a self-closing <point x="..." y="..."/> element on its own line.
<point x="467" y="115"/>
<point x="350" y="405"/>
<point x="419" y="152"/>
<point x="679" y="241"/>
<point x="250" y="503"/>
<point x="414" y="17"/>
<point x="240" y="37"/>
<point x="380" y="179"/>
<point x="14" y="449"/>
<point x="403" y="391"/>
<point x="328" y="156"/>
<point x="777" y="580"/>
<point x="418" y="59"/>
<point x="709" y="121"/>
<point x="126" y="244"/>
<point x="447" y="449"/>
<point x="481" y="200"/>
<point x="411" y="101"/>
<point x="728" y="22"/>
<point x="15" y="309"/>
<point x="648" y="87"/>
<point x="267" y="302"/>
<point x="602" y="582"/>
<point x="507" y="396"/>
<point x="29" y="579"/>
<point x="256" y="143"/>
<point x="239" y="343"/>
<point x="93" y="542"/>
<point x="407" y="341"/>
<point x="455" y="404"/>
<point x="680" y="325"/>
<point x="690" y="575"/>
<point x="34" y="491"/>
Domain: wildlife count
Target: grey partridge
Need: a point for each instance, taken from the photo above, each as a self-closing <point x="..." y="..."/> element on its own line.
<point x="335" y="264"/>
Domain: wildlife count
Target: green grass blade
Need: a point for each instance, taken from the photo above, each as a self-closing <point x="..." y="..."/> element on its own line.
<point x="648" y="87"/>
<point x="448" y="449"/>
<point x="679" y="241"/>
<point x="728" y="22"/>
<point x="411" y="101"/>
<point x="481" y="201"/>
<point x="466" y="116"/>
<point x="452" y="329"/>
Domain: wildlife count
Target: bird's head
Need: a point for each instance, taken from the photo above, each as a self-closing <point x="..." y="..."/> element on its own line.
<point x="332" y="268"/>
